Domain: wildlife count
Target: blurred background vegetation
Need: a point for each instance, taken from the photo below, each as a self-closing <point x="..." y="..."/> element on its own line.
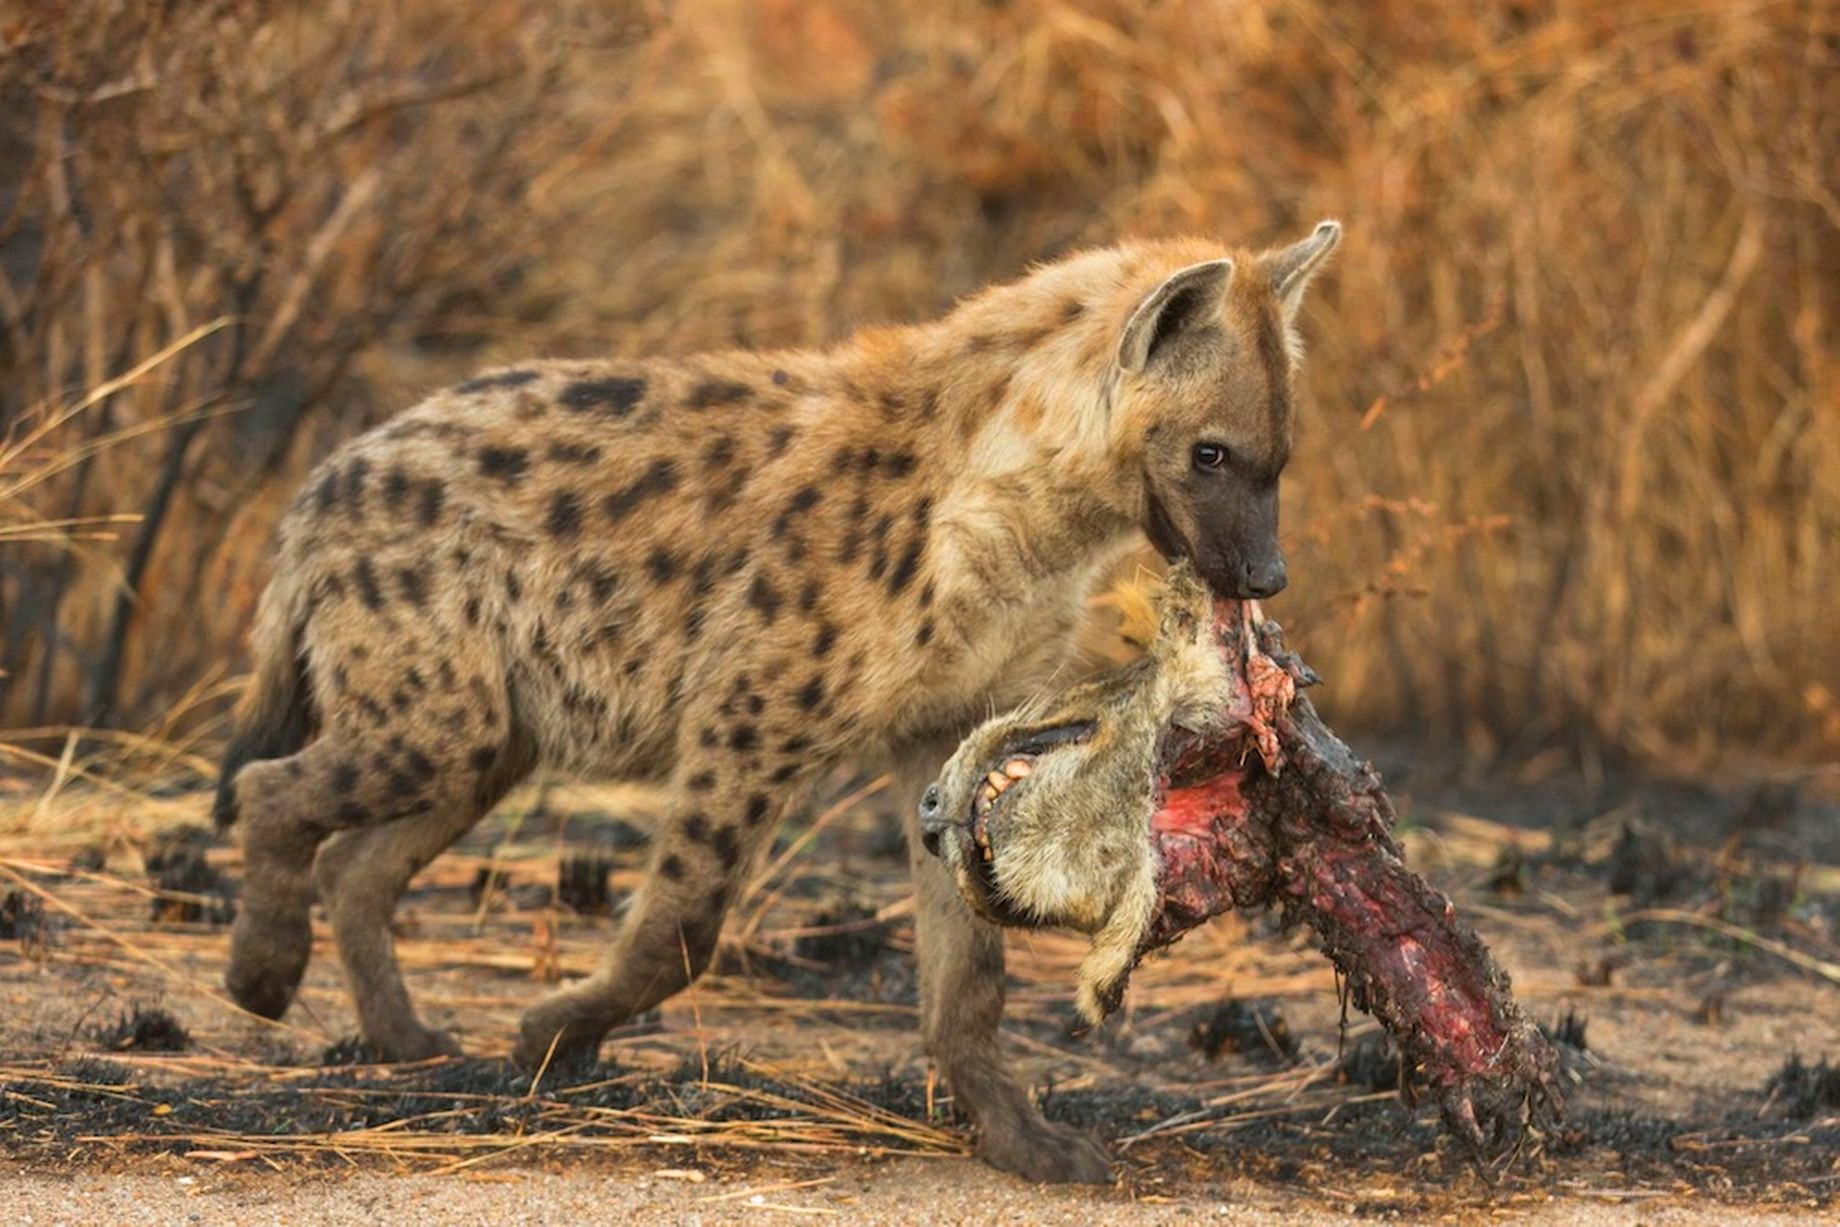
<point x="1567" y="489"/>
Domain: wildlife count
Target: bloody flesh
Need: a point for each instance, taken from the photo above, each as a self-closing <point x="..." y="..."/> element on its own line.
<point x="1277" y="809"/>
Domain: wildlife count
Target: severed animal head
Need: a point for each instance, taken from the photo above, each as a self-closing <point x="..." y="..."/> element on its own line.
<point x="1066" y="812"/>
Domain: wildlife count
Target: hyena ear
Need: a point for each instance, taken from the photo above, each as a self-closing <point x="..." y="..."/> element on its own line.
<point x="1290" y="270"/>
<point x="1187" y="297"/>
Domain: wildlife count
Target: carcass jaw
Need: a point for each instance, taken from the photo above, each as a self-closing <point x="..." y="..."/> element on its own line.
<point x="997" y="781"/>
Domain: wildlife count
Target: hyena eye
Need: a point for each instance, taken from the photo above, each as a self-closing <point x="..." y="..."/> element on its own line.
<point x="1210" y="456"/>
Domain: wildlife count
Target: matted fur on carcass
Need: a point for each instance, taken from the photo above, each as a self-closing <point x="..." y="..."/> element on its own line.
<point x="1197" y="779"/>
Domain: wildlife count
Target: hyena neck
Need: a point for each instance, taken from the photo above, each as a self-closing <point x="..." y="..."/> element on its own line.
<point x="1018" y="383"/>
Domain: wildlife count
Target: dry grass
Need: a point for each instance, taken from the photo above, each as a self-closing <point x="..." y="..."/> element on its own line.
<point x="1570" y="479"/>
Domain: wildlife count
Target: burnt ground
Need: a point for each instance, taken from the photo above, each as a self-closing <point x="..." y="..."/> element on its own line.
<point x="1681" y="944"/>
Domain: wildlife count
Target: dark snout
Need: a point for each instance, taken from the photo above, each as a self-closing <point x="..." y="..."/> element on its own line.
<point x="1235" y="540"/>
<point x="933" y="823"/>
<point x="1263" y="577"/>
<point x="1230" y="573"/>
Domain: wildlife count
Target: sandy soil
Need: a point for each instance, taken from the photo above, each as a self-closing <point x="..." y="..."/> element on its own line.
<point x="905" y="1191"/>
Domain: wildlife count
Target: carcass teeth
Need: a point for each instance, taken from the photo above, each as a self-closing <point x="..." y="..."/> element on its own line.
<point x="998" y="781"/>
<point x="1018" y="768"/>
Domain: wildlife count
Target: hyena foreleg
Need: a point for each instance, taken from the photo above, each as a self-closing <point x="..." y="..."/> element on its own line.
<point x="961" y="1009"/>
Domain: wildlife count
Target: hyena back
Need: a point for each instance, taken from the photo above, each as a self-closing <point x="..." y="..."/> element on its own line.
<point x="729" y="572"/>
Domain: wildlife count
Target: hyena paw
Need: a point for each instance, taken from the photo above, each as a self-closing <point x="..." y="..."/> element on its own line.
<point x="268" y="956"/>
<point x="417" y="1044"/>
<point x="260" y="990"/>
<point x="549" y="1038"/>
<point x="1045" y="1153"/>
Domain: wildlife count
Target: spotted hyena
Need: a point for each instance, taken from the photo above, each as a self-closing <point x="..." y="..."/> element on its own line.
<point x="729" y="572"/>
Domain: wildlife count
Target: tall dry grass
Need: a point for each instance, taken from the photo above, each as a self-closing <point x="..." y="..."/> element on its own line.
<point x="1569" y="474"/>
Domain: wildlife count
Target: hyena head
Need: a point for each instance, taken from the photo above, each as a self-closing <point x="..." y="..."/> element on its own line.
<point x="1043" y="814"/>
<point x="1204" y="397"/>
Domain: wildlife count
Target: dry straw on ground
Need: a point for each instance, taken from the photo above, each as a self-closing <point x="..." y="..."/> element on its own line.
<point x="1569" y="476"/>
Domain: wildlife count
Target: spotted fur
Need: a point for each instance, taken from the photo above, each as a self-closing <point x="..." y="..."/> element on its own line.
<point x="728" y="573"/>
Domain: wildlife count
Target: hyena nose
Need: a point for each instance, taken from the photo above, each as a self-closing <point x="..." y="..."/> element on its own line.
<point x="932" y="822"/>
<point x="1265" y="578"/>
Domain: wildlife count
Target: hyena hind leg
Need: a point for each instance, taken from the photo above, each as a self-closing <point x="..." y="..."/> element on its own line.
<point x="362" y="875"/>
<point x="343" y="782"/>
<point x="279" y="815"/>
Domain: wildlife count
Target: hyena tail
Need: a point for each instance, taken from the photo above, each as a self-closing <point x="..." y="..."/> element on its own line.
<point x="275" y="716"/>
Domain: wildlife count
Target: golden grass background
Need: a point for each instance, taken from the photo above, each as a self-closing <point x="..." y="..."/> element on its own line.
<point x="1568" y="479"/>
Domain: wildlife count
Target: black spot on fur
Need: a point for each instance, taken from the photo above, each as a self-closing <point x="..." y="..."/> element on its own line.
<point x="764" y="597"/>
<point x="328" y="492"/>
<point x="717" y="392"/>
<point x="702" y="781"/>
<point x="900" y="464"/>
<point x="695" y="828"/>
<point x="488" y="383"/>
<point x="778" y="439"/>
<point x="708" y="738"/>
<point x="743" y="737"/>
<point x="811" y="694"/>
<point x="514" y="587"/>
<point x="798" y="743"/>
<point x="507" y="464"/>
<point x="926" y="595"/>
<point x="672" y="867"/>
<point x="354" y="486"/>
<point x="924" y="635"/>
<point x="663" y="565"/>
<point x="800" y="503"/>
<point x="659" y="479"/>
<point x="615" y="395"/>
<point x="366" y="579"/>
<point x="781" y="378"/>
<point x="574" y="453"/>
<point x="350" y="813"/>
<point x="565" y="514"/>
<point x="728" y="847"/>
<point x="414" y="584"/>
<point x="344" y="778"/>
<point x="808" y="596"/>
<point x="395" y="488"/>
<point x="483" y="758"/>
<point x="825" y="641"/>
<point x="904" y="568"/>
<point x="784" y="772"/>
<point x="757" y="806"/>
<point x="472" y="611"/>
<point x="428" y="509"/>
<point x="719" y="454"/>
